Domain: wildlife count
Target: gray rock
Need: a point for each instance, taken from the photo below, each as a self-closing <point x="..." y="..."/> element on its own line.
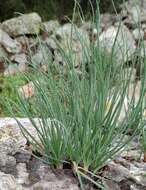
<point x="58" y="58"/>
<point x="135" y="154"/>
<point x="19" y="58"/>
<point x="65" y="31"/>
<point x="118" y="173"/>
<point x="25" y="24"/>
<point x="22" y="174"/>
<point x="141" y="3"/>
<point x="7" y="163"/>
<point x="43" y="56"/>
<point x="8" y="147"/>
<point x="123" y="169"/>
<point x="10" y="163"/>
<point x="11" y="140"/>
<point x="51" y="26"/>
<point x="11" y="46"/>
<point x="3" y="160"/>
<point x="59" y="185"/>
<point x="143" y="26"/>
<point x="135" y="11"/>
<point x="38" y="58"/>
<point x="87" y="26"/>
<point x="111" y="185"/>
<point x="136" y="14"/>
<point x="107" y="20"/>
<point x="73" y="41"/>
<point x="138" y="34"/>
<point x="23" y="156"/>
<point x="92" y="31"/>
<point x="50" y="42"/>
<point x="139" y="171"/>
<point x="3" y="54"/>
<point x="124" y="47"/>
<point x="8" y="182"/>
<point x="72" y="32"/>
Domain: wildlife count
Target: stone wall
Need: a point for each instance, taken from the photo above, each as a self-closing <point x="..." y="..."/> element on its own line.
<point x="20" y="35"/>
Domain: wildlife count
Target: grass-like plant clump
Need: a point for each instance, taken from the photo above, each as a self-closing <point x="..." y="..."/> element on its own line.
<point x="79" y="112"/>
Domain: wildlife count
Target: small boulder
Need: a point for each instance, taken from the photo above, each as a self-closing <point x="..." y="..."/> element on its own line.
<point x="22" y="173"/>
<point x="43" y="56"/>
<point x="3" y="54"/>
<point x="7" y="163"/>
<point x="10" y="45"/>
<point x="74" y="42"/>
<point x="19" y="58"/>
<point x="107" y="20"/>
<point x="21" y="65"/>
<point x="50" y="42"/>
<point x="50" y="27"/>
<point x="138" y="34"/>
<point x="22" y="25"/>
<point x="62" y="185"/>
<point x="8" y="182"/>
<point x="134" y="11"/>
<point x="92" y="31"/>
<point x="70" y="31"/>
<point x="119" y="38"/>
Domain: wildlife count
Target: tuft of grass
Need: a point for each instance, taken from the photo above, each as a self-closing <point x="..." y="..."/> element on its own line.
<point x="75" y="123"/>
<point x="79" y="113"/>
